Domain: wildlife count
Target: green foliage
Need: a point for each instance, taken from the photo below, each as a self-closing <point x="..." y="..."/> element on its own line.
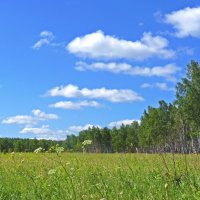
<point x="26" y="145"/>
<point x="97" y="176"/>
<point x="188" y="97"/>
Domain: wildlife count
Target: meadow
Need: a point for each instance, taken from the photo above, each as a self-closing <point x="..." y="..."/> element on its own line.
<point x="98" y="176"/>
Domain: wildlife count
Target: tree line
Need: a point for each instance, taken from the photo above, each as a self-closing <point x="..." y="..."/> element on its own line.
<point x="25" y="145"/>
<point x="171" y="127"/>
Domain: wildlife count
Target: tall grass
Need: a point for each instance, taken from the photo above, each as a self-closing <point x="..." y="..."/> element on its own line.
<point x="98" y="176"/>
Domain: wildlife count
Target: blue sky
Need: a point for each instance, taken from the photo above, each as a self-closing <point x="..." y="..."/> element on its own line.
<point x="70" y="64"/>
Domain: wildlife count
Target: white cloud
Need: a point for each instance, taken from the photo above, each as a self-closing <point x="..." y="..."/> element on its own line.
<point x="47" y="34"/>
<point x="40" y="43"/>
<point x="112" y="95"/>
<point x="37" y="116"/>
<point x="186" y="22"/>
<point x="69" y="105"/>
<point x="19" y="119"/>
<point x="98" y="45"/>
<point x="77" y="129"/>
<point x="42" y="116"/>
<point x="117" y="124"/>
<point x="37" y="131"/>
<point x="166" y="71"/>
<point x="45" y="132"/>
<point x="46" y="38"/>
<point x="161" y="86"/>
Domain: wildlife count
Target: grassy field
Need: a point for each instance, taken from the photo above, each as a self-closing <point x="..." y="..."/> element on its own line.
<point x="98" y="176"/>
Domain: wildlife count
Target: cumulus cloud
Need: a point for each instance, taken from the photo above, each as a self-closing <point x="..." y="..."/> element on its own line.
<point x="69" y="105"/>
<point x="37" y="115"/>
<point x="166" y="71"/>
<point x="46" y="38"/>
<point x="42" y="116"/>
<point x="98" y="45"/>
<point x="119" y="123"/>
<point x="161" y="86"/>
<point x="112" y="95"/>
<point x="44" y="132"/>
<point x="77" y="129"/>
<point x="19" y="119"/>
<point x="186" y="22"/>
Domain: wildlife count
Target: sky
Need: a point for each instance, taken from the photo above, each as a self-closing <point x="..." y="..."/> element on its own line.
<point x="71" y="64"/>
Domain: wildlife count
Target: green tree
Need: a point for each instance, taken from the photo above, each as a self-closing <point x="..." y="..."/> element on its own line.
<point x="188" y="97"/>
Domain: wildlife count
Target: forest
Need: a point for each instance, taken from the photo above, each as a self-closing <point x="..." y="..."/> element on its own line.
<point x="171" y="127"/>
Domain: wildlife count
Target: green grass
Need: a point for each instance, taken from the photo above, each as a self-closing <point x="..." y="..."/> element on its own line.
<point x="98" y="176"/>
